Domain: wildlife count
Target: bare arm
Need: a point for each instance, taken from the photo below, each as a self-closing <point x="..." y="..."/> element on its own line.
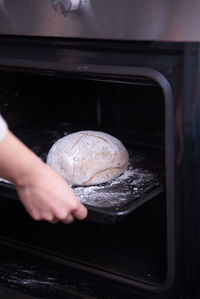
<point x="45" y="195"/>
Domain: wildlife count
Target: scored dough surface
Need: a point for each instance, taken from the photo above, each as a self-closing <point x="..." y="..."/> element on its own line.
<point x="88" y="158"/>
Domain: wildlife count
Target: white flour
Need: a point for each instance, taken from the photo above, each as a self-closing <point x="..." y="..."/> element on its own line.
<point x="119" y="190"/>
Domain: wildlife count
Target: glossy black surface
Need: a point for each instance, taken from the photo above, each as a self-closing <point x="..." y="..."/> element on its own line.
<point x="134" y="248"/>
<point x="41" y="121"/>
<point x="178" y="259"/>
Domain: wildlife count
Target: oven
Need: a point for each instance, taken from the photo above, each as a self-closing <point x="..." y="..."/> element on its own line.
<point x="129" y="69"/>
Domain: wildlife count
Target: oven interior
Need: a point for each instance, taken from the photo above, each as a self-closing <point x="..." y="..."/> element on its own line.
<point x="40" y="109"/>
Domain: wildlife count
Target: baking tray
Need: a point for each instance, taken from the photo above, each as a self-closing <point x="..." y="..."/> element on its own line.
<point x="110" y="202"/>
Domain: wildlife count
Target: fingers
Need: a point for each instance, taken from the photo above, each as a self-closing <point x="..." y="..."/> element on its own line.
<point x="61" y="215"/>
<point x="80" y="213"/>
<point x="54" y="221"/>
<point x="69" y="219"/>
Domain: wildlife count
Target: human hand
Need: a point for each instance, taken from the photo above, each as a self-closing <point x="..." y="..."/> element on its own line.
<point x="46" y="196"/>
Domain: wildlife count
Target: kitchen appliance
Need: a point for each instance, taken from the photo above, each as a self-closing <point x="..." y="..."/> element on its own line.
<point x="130" y="69"/>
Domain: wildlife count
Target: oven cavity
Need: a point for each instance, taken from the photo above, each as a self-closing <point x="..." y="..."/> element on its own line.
<point x="125" y="233"/>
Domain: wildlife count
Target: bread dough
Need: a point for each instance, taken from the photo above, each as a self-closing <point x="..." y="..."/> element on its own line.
<point x="88" y="158"/>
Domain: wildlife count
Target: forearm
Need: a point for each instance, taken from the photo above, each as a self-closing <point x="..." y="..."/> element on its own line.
<point x="45" y="195"/>
<point x="17" y="162"/>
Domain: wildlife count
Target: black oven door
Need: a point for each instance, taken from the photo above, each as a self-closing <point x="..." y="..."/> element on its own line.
<point x="135" y="92"/>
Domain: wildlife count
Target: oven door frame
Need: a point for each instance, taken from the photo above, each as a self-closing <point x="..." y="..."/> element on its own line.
<point x="30" y="60"/>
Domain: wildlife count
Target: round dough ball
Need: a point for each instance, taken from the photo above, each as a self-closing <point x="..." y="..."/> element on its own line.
<point x="88" y="158"/>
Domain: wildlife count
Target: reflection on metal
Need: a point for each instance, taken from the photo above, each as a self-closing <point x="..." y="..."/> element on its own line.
<point x="155" y="20"/>
<point x="65" y="6"/>
<point x="5" y="19"/>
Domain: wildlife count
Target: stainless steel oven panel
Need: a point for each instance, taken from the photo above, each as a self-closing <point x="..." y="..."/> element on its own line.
<point x="153" y="20"/>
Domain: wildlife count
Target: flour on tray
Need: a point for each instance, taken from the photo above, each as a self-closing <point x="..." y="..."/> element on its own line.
<point x="126" y="187"/>
<point x="142" y="173"/>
